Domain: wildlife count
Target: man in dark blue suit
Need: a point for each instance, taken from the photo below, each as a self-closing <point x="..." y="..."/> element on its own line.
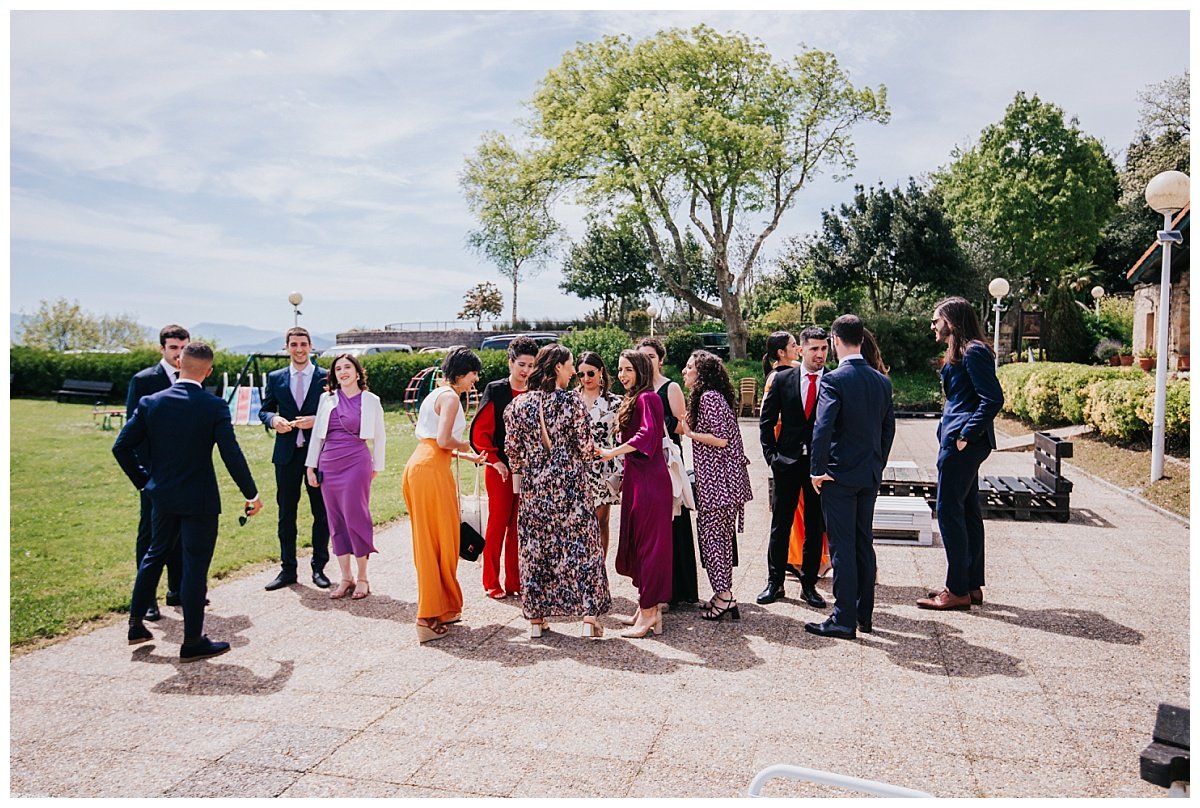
<point x="176" y="429"/>
<point x="289" y="407"/>
<point x="851" y="442"/>
<point x="172" y="339"/>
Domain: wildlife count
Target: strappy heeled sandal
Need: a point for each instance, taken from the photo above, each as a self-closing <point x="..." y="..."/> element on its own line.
<point x="343" y="587"/>
<point x="359" y="593"/>
<point x="727" y="607"/>
<point x="425" y="633"/>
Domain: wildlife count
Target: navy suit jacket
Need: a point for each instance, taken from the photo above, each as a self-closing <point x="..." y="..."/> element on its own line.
<point x="973" y="398"/>
<point x="855" y="425"/>
<point x="145" y="382"/>
<point x="278" y="400"/>
<point x="177" y="428"/>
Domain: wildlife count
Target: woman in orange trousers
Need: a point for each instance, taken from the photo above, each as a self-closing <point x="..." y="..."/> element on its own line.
<point x="432" y="496"/>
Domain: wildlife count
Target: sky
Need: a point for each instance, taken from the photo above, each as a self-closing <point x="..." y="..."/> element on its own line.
<point x="199" y="166"/>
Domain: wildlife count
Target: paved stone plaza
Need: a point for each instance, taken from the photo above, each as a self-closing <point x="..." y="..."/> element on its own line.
<point x="1049" y="689"/>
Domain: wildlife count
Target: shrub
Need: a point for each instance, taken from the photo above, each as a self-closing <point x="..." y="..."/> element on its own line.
<point x="680" y="345"/>
<point x="1056" y="392"/>
<point x="1112" y="408"/>
<point x="756" y="343"/>
<point x="608" y="342"/>
<point x="1012" y="381"/>
<point x="1067" y="338"/>
<point x="905" y="340"/>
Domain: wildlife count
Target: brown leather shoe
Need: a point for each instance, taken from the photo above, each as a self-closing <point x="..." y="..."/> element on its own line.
<point x="976" y="596"/>
<point x="945" y="601"/>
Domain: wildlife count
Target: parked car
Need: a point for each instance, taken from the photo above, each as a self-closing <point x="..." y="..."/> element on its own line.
<point x="716" y="343"/>
<point x="433" y="349"/>
<point x="500" y="341"/>
<point x="365" y="350"/>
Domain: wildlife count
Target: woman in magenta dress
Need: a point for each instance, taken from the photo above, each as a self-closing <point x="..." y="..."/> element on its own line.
<point x="347" y="417"/>
<point x="644" y="551"/>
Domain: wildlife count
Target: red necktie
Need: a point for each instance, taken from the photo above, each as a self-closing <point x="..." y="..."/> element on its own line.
<point x="811" y="403"/>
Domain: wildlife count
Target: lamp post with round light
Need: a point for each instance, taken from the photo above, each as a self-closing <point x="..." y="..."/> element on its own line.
<point x="295" y="298"/>
<point x="1097" y="293"/>
<point x="652" y="310"/>
<point x="998" y="288"/>
<point x="1167" y="194"/>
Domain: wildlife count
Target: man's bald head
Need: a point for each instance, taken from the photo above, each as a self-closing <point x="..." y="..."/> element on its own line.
<point x="196" y="361"/>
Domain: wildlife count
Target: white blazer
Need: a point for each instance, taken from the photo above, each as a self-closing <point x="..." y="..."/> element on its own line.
<point x="371" y="428"/>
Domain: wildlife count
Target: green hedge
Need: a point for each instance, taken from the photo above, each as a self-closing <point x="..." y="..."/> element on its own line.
<point x="608" y="342"/>
<point x="1117" y="402"/>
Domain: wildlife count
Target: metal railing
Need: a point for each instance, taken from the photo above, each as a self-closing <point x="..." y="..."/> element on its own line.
<point x="829" y="779"/>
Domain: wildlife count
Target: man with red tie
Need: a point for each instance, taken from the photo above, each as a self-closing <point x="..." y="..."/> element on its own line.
<point x="792" y="402"/>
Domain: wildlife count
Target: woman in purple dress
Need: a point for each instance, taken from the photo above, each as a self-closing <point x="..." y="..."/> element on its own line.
<point x="644" y="551"/>
<point x="340" y="463"/>
<point x="722" y="482"/>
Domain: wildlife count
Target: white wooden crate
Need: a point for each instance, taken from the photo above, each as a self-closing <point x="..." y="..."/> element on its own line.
<point x="902" y="520"/>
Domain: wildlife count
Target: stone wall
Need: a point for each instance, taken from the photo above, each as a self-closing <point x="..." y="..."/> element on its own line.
<point x="1145" y="308"/>
<point x="417" y="339"/>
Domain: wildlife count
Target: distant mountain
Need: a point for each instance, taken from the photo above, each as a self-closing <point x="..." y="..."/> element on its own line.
<point x="244" y="339"/>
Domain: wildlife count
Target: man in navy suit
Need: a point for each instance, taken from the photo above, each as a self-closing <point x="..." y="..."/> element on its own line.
<point x="172" y="339"/>
<point x="289" y="407"/>
<point x="792" y="403"/>
<point x="177" y="428"/>
<point x="851" y="441"/>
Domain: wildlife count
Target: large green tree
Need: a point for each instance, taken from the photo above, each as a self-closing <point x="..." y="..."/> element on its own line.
<point x="1033" y="195"/>
<point x="697" y="129"/>
<point x="610" y="264"/>
<point x="63" y="325"/>
<point x="511" y="201"/>
<point x="895" y="245"/>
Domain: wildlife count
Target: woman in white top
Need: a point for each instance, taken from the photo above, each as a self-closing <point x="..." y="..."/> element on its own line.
<point x="602" y="406"/>
<point x="432" y="497"/>
<point x="342" y="466"/>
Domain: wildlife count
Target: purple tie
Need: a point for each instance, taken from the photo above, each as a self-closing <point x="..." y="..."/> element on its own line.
<point x="298" y="394"/>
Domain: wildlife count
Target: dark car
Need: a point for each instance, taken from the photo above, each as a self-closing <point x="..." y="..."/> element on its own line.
<point x="500" y="341"/>
<point x="715" y="343"/>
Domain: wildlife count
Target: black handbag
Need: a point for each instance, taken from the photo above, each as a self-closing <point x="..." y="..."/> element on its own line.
<point x="470" y="540"/>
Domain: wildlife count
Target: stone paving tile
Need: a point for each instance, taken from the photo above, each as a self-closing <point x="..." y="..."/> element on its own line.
<point x="385" y="757"/>
<point x="487" y="767"/>
<point x="427" y="719"/>
<point x="70" y="772"/>
<point x="221" y="779"/>
<point x="296" y="748"/>
<point x="554" y="774"/>
<point x="1013" y="778"/>
<point x="205" y="738"/>
<point x="674" y="780"/>
<point x="326" y="786"/>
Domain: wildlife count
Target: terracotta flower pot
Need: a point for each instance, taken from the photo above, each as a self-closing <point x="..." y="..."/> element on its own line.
<point x="1184" y="364"/>
<point x="1147" y="362"/>
<point x="1114" y="360"/>
<point x="1126" y="360"/>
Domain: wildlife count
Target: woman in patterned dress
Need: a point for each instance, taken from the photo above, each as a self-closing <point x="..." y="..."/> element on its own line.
<point x="722" y="481"/>
<point x="602" y="404"/>
<point x="549" y="443"/>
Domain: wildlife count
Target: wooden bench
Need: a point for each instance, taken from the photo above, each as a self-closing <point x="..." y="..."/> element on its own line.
<point x="99" y="392"/>
<point x="1167" y="761"/>
<point x="1046" y="492"/>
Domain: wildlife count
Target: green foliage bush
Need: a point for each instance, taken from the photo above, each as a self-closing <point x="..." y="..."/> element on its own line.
<point x="608" y="342"/>
<point x="756" y="343"/>
<point x="680" y="345"/>
<point x="1057" y="392"/>
<point x="905" y="340"/>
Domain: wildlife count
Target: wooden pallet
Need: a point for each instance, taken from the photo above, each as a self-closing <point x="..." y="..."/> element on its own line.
<point x="1047" y="492"/>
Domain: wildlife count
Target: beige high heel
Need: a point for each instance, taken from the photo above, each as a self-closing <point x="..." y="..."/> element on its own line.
<point x="360" y="591"/>
<point x="428" y="633"/>
<point x="342" y="588"/>
<point x="653" y="627"/>
<point x="592" y="631"/>
<point x="536" y="629"/>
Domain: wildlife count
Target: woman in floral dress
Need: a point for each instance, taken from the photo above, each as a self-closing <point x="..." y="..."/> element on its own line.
<point x="602" y="405"/>
<point x="549" y="443"/>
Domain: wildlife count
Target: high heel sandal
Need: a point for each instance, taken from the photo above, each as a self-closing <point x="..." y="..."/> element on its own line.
<point x="360" y="595"/>
<point x="536" y="629"/>
<point x="591" y="630"/>
<point x="728" y="607"/>
<point x="435" y="632"/>
<point x="342" y="588"/>
<point x="653" y="627"/>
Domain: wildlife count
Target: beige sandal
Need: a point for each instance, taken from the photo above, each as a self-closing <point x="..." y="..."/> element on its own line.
<point x="359" y="591"/>
<point x="344" y="586"/>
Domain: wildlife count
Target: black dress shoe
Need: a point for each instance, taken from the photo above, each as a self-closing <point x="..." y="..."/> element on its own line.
<point x="865" y="628"/>
<point x="281" y="580"/>
<point x="174" y="599"/>
<point x="794" y="570"/>
<point x="812" y="597"/>
<point x="830" y="629"/>
<point x="139" y="633"/>
<point x="772" y="593"/>
<point x="201" y="649"/>
<point x="152" y="613"/>
<point x="320" y="580"/>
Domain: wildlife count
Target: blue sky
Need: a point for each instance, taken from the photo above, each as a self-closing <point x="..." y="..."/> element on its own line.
<point x="193" y="167"/>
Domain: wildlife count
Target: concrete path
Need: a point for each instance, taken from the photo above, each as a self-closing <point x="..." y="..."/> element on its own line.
<point x="1049" y="689"/>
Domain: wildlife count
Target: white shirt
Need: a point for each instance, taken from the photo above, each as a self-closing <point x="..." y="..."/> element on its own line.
<point x="805" y="373"/>
<point x="172" y="372"/>
<point x="427" y="419"/>
<point x="307" y="373"/>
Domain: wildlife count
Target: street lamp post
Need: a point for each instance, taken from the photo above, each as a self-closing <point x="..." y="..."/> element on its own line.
<point x="1167" y="194"/>
<point x="295" y="298"/>
<point x="1097" y="293"/>
<point x="998" y="288"/>
<point x="652" y="310"/>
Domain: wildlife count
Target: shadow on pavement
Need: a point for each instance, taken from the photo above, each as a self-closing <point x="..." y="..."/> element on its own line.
<point x="211" y="678"/>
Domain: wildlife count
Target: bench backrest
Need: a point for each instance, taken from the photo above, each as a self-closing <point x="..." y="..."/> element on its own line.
<point x="87" y="387"/>
<point x="1048" y="452"/>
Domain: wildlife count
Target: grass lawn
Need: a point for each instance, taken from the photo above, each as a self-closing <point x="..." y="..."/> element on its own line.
<point x="1126" y="467"/>
<point x="74" y="515"/>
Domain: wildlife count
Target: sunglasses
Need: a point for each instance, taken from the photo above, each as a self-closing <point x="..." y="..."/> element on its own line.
<point x="587" y="373"/>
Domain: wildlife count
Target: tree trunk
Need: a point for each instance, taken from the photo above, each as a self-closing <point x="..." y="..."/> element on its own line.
<point x="514" y="305"/>
<point x="735" y="325"/>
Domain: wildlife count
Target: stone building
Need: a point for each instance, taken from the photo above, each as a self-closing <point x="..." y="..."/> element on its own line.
<point x="1145" y="276"/>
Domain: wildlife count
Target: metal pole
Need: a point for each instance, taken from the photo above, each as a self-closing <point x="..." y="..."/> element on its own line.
<point x="1158" y="436"/>
<point x="996" y="337"/>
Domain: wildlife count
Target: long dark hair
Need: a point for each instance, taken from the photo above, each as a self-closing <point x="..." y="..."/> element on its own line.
<point x="710" y="375"/>
<point x="962" y="327"/>
<point x="778" y="341"/>
<point x="545" y="367"/>
<point x="645" y="382"/>
<point x="870" y="352"/>
<point x="594" y="359"/>
<point x="331" y="382"/>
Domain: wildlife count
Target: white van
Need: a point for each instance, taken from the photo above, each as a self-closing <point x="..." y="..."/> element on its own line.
<point x="365" y="350"/>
